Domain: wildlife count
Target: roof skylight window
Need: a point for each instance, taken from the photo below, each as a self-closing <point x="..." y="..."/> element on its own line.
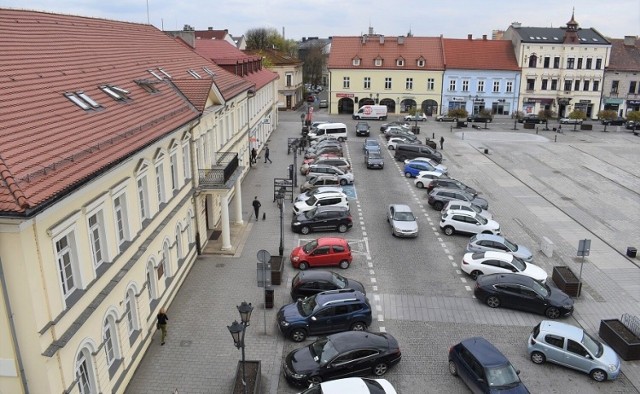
<point x="115" y="92"/>
<point x="209" y="71"/>
<point x="88" y="99"/>
<point x="194" y="74"/>
<point x="155" y="74"/>
<point x="164" y="72"/>
<point x="77" y="101"/>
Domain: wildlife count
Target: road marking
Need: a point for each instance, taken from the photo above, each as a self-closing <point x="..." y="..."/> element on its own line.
<point x="380" y="317"/>
<point x="379" y="308"/>
<point x="444" y="245"/>
<point x="454" y="264"/>
<point x="446" y="251"/>
<point x="469" y="289"/>
<point x="370" y="264"/>
<point x="450" y="257"/>
<point x="375" y="288"/>
<point x="373" y="280"/>
<point x="463" y="280"/>
<point x="382" y="329"/>
<point x="371" y="272"/>
<point x="376" y="297"/>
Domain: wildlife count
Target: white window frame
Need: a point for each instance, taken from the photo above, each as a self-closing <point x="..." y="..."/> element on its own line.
<point x="367" y="83"/>
<point x="67" y="230"/>
<point x="97" y="238"/>
<point x="186" y="160"/>
<point x="179" y="250"/>
<point x="166" y="258"/>
<point x="109" y="337"/>
<point x="378" y="62"/>
<point x="190" y="225"/>
<point x="421" y="63"/>
<point x="399" y="62"/>
<point x="480" y="86"/>
<point x="173" y="166"/>
<point x="388" y="83"/>
<point x="496" y="86"/>
<point x="142" y="190"/>
<point x="452" y="85"/>
<point x="509" y="87"/>
<point x="409" y="84"/>
<point x="151" y="280"/>
<point x="160" y="185"/>
<point x="465" y="85"/>
<point x="346" y="82"/>
<point x="131" y="313"/>
<point x="121" y="218"/>
<point x="356" y="62"/>
<point x="431" y="83"/>
<point x="85" y="377"/>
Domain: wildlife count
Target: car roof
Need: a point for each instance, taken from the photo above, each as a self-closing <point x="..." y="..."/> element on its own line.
<point x="328" y="189"/>
<point x="311" y="275"/>
<point x="492" y="254"/>
<point x="354" y="385"/>
<point x="330" y="195"/>
<point x="325" y="208"/>
<point x="489" y="237"/>
<point x="462" y="212"/>
<point x="400" y="207"/>
<point x="448" y="189"/>
<point x="506" y="278"/>
<point x="319" y="175"/>
<point x="348" y="340"/>
<point x="331" y="241"/>
<point x="484" y="351"/>
<point x="563" y="329"/>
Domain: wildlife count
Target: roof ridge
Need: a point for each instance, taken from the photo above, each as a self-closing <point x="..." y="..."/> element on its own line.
<point x="12" y="185"/>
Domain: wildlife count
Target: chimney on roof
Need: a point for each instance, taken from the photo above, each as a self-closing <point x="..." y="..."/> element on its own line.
<point x="484" y="37"/>
<point x="516" y="25"/>
<point x="630" y="41"/>
<point x="210" y="28"/>
<point x="364" y="40"/>
<point x="370" y="30"/>
<point x="226" y="30"/>
<point x="400" y="40"/>
<point x="381" y="40"/>
<point x="470" y="36"/>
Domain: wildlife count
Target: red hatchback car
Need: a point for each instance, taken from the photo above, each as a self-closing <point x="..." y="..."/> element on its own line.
<point x="322" y="252"/>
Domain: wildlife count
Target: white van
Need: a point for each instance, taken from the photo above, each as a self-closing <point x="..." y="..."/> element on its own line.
<point x="336" y="130"/>
<point x="371" y="112"/>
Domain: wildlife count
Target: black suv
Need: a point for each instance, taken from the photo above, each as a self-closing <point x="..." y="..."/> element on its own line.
<point x="311" y="282"/>
<point x="362" y="129"/>
<point x="322" y="218"/>
<point x="325" y="313"/>
<point x="374" y="159"/>
<point x="480" y="118"/>
<point x="531" y="119"/>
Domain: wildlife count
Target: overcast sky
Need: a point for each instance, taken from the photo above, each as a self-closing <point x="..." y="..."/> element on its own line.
<point x="325" y="18"/>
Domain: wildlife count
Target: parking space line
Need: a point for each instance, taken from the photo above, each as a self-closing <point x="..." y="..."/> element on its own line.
<point x="380" y="317"/>
<point x="464" y="280"/>
<point x="373" y="280"/>
<point x="468" y="288"/>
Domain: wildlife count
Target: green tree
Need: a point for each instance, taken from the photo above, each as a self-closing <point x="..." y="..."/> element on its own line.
<point x="263" y="38"/>
<point x="634" y="116"/>
<point x="314" y="63"/>
<point x="459" y="113"/>
<point x="607" y="114"/>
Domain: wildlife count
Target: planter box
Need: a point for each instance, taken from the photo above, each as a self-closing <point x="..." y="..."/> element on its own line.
<point x="253" y="371"/>
<point x="566" y="280"/>
<point x="620" y="338"/>
<point x="277" y="265"/>
<point x="529" y="126"/>
<point x="415" y="129"/>
<point x="586" y="127"/>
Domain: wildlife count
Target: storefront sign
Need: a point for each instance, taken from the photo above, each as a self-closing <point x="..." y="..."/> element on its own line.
<point x="585" y="101"/>
<point x="457" y="99"/>
<point x="633" y="102"/>
<point x="347" y="95"/>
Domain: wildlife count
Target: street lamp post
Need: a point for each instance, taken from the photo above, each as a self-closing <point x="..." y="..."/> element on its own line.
<point x="238" y="330"/>
<point x="280" y="200"/>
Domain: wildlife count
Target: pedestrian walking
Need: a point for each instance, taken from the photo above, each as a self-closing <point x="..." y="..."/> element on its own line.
<point x="254" y="156"/>
<point x="441" y="143"/>
<point x="266" y="154"/>
<point x="256" y="207"/>
<point x="162" y="324"/>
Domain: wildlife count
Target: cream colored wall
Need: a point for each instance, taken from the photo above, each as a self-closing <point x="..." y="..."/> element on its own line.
<point x="9" y="368"/>
<point x="419" y="92"/>
<point x="29" y="261"/>
<point x="296" y="82"/>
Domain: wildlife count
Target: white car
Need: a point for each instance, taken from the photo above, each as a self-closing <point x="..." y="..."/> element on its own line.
<point x="460" y="205"/>
<point x="324" y="199"/>
<point x="467" y="222"/>
<point x="570" y="121"/>
<point x="394" y="141"/>
<point x="424" y="177"/>
<point x="352" y="386"/>
<point x="486" y="263"/>
<point x="418" y="117"/>
<point x="322" y="189"/>
<point x="440" y="167"/>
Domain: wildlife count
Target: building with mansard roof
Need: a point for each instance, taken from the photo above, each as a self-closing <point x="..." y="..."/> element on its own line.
<point x="621" y="88"/>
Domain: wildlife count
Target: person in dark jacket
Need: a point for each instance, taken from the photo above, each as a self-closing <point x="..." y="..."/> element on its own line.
<point x="162" y="323"/>
<point x="441" y="143"/>
<point x="266" y="154"/>
<point x="254" y="155"/>
<point x="256" y="207"/>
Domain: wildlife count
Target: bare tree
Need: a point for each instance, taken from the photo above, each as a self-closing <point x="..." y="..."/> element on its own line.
<point x="314" y="63"/>
<point x="263" y="38"/>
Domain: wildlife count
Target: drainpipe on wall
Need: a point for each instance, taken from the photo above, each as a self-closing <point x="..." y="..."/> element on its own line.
<point x="194" y="171"/>
<point x="12" y="328"/>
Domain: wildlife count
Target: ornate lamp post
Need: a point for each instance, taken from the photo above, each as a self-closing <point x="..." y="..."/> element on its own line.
<point x="238" y="330"/>
<point x="280" y="200"/>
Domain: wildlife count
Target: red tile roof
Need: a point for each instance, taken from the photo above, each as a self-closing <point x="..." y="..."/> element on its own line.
<point x="211" y="34"/>
<point x="49" y="145"/>
<point x="481" y="54"/>
<point x="624" y="57"/>
<point x="228" y="56"/>
<point x="345" y="49"/>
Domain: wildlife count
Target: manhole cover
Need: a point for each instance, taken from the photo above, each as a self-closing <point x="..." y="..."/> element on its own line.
<point x="185" y="343"/>
<point x="219" y="265"/>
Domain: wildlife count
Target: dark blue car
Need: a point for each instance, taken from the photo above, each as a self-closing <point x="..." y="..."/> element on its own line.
<point x="483" y="368"/>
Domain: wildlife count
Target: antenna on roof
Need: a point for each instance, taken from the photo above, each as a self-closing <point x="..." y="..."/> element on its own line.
<point x="148" y="23"/>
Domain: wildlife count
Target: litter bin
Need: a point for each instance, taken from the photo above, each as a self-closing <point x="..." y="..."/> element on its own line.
<point x="268" y="297"/>
<point x="415" y="129"/>
<point x="632" y="252"/>
<point x="290" y="171"/>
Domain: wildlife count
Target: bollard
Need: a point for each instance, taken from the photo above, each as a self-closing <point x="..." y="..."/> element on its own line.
<point x="536" y="131"/>
<point x="555" y="139"/>
<point x="463" y="135"/>
<point x="433" y="135"/>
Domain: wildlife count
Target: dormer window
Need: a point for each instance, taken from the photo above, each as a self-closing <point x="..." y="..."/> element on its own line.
<point x="400" y="62"/>
<point x="421" y="62"/>
<point x="356" y="62"/>
<point x="378" y="62"/>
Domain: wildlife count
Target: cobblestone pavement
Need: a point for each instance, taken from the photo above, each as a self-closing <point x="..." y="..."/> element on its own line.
<point x="566" y="187"/>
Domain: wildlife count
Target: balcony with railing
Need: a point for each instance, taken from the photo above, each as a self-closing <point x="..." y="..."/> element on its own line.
<point x="221" y="175"/>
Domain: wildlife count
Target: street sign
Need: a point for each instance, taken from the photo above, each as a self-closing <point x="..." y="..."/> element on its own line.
<point x="263" y="256"/>
<point x="584" y="246"/>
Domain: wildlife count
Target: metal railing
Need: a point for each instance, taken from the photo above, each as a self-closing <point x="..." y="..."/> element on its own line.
<point x="219" y="174"/>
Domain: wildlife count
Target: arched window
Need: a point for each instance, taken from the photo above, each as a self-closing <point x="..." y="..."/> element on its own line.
<point x="166" y="258"/>
<point x="179" y="240"/>
<point x="151" y="281"/>
<point x="84" y="372"/>
<point x="110" y="338"/>
<point x="533" y="60"/>
<point x="131" y="310"/>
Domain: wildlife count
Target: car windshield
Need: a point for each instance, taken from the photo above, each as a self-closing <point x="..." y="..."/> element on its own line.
<point x="311" y="201"/>
<point x="338" y="280"/>
<point x="482" y="219"/>
<point x="310" y="214"/>
<point x="475" y="208"/>
<point x="519" y="264"/>
<point x="594" y="346"/>
<point x="307" y="305"/>
<point x="323" y="351"/>
<point x="502" y="376"/>
<point x="375" y="155"/>
<point x="540" y="288"/>
<point x="404" y="217"/>
<point x="513" y="247"/>
<point x="309" y="246"/>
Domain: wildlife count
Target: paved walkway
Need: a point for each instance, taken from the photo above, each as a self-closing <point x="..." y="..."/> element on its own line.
<point x="200" y="357"/>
